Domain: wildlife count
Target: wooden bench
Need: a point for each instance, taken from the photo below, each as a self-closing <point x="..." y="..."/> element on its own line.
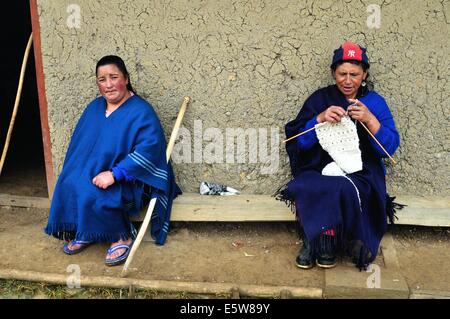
<point x="426" y="211"/>
<point x="234" y="208"/>
<point x="422" y="211"/>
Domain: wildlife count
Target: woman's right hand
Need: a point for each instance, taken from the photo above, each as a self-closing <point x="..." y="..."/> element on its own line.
<point x="103" y="180"/>
<point x="332" y="114"/>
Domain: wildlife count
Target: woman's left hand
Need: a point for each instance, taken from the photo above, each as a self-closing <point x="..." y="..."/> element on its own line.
<point x="103" y="180"/>
<point x="359" y="111"/>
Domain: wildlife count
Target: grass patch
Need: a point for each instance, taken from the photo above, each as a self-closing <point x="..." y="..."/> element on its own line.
<point x="17" y="289"/>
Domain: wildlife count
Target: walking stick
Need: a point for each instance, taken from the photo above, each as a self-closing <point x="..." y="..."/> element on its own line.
<point x="152" y="203"/>
<point x="16" y="103"/>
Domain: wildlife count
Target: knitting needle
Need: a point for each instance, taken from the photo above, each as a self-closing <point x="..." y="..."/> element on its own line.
<point x="379" y="144"/>
<point x="308" y="130"/>
<point x="375" y="139"/>
<point x="304" y="132"/>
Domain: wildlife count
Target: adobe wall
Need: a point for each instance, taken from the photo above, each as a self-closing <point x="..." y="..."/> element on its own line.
<point x="248" y="66"/>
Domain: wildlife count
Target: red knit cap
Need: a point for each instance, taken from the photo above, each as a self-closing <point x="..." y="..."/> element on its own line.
<point x="350" y="51"/>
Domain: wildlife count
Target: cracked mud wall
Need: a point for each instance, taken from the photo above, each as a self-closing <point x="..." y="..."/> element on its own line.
<point x="249" y="66"/>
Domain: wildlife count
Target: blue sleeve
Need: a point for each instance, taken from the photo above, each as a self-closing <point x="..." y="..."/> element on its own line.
<point x="121" y="174"/>
<point x="308" y="140"/>
<point x="387" y="135"/>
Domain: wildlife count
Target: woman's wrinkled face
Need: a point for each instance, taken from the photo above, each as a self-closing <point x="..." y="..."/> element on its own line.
<point x="112" y="83"/>
<point x="348" y="78"/>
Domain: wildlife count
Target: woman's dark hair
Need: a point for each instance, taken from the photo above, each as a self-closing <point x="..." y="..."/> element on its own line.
<point x="363" y="90"/>
<point x="117" y="61"/>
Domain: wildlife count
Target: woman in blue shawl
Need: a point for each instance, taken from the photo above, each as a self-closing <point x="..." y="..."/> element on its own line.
<point x="341" y="211"/>
<point x="116" y="159"/>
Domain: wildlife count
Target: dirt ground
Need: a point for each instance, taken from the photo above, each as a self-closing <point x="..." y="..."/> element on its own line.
<point x="254" y="253"/>
<point x="239" y="253"/>
<point x="28" y="180"/>
<point x="424" y="256"/>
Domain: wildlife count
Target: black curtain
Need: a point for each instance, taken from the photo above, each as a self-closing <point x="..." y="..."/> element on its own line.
<point x="26" y="142"/>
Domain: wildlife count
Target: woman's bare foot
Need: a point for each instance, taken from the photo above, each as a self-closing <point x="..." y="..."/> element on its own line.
<point x="120" y="251"/>
<point x="75" y="246"/>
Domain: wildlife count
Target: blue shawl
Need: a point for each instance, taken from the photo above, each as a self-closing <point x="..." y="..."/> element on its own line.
<point x="131" y="138"/>
<point x="355" y="205"/>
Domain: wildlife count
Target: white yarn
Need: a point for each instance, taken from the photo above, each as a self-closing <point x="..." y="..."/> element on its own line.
<point x="357" y="192"/>
<point x="341" y="142"/>
<point x="332" y="169"/>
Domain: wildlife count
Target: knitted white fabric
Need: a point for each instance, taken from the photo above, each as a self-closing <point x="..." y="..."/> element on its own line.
<point x="332" y="169"/>
<point x="341" y="142"/>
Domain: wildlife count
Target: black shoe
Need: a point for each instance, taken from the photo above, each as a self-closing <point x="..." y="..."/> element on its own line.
<point x="326" y="260"/>
<point x="327" y="254"/>
<point x="305" y="258"/>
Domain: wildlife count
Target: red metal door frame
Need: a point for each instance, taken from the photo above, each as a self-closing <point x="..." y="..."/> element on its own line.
<point x="43" y="110"/>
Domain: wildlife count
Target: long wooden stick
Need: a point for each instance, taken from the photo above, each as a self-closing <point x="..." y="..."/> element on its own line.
<point x="152" y="203"/>
<point x="368" y="131"/>
<point x="379" y="144"/>
<point x="16" y="103"/>
<point x="174" y="286"/>
<point x="304" y="132"/>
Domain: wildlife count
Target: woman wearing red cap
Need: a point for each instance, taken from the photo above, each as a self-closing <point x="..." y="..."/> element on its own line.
<point x="345" y="211"/>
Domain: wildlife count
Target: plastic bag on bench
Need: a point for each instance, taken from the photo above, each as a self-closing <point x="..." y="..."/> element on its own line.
<point x="207" y="188"/>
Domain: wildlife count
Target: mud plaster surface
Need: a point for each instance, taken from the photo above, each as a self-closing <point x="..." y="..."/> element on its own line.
<point x="251" y="65"/>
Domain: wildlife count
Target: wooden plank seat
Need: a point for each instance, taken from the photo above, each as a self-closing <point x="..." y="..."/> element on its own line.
<point x="422" y="211"/>
<point x="234" y="208"/>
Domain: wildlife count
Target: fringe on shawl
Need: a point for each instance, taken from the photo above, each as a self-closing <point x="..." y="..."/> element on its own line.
<point x="69" y="232"/>
<point x="392" y="207"/>
<point x="356" y="250"/>
<point x="328" y="244"/>
<point x="282" y="194"/>
<point x="360" y="256"/>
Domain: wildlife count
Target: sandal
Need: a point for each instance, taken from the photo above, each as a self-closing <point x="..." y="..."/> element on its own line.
<point x="83" y="245"/>
<point x="121" y="259"/>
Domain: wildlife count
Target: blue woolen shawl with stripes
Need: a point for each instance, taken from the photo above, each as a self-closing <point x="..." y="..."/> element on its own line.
<point x="131" y="138"/>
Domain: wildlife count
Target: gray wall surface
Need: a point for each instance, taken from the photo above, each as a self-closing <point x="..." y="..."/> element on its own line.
<point x="248" y="67"/>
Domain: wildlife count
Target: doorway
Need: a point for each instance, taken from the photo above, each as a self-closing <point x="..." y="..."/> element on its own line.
<point x="24" y="168"/>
